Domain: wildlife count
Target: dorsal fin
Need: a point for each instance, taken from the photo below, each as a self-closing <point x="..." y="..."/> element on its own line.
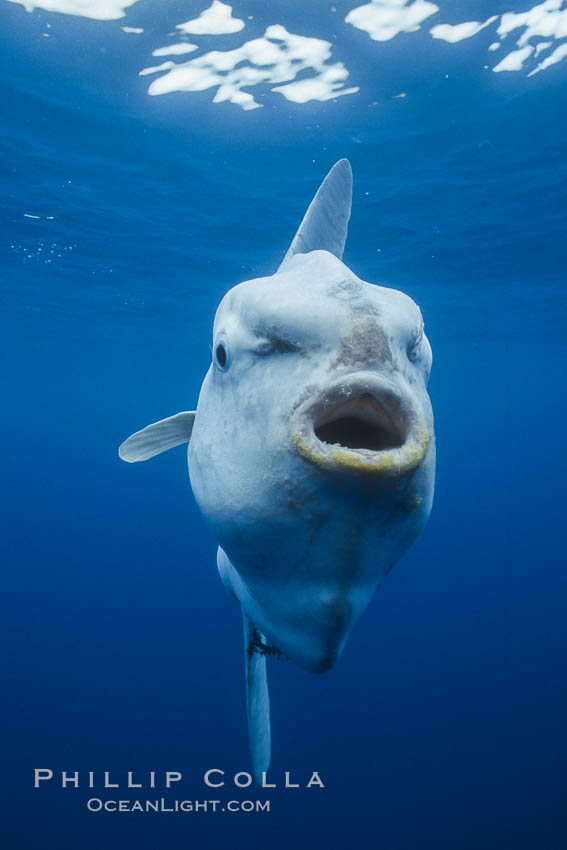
<point x="324" y="225"/>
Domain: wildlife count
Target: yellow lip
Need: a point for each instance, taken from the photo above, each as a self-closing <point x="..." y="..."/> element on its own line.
<point x="395" y="461"/>
<point x="371" y="397"/>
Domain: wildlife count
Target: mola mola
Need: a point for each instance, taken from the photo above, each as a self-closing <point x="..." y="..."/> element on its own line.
<point x="311" y="451"/>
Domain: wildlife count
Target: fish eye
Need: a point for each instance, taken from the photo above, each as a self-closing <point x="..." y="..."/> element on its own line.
<point x="221" y="355"/>
<point x="414" y="346"/>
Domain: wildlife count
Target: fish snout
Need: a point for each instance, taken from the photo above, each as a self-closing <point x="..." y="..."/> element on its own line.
<point x="365" y="423"/>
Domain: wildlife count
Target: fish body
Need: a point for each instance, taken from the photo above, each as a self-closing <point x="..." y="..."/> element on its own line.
<point x="311" y="451"/>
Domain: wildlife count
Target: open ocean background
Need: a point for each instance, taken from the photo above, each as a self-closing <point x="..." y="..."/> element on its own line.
<point x="443" y="724"/>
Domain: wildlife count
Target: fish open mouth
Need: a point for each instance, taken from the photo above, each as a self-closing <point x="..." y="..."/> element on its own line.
<point x="360" y="423"/>
<point x="364" y="424"/>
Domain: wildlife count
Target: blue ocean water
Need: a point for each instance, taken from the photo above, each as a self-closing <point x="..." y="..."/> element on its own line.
<point x="126" y="219"/>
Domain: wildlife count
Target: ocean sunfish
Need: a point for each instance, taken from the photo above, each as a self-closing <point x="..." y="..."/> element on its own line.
<point x="311" y="451"/>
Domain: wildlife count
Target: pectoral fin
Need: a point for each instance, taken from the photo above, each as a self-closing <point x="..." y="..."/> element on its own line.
<point x="257" y="700"/>
<point x="158" y="437"/>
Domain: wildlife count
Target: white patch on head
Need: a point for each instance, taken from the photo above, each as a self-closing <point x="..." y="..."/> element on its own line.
<point x="216" y="20"/>
<point x="337" y="306"/>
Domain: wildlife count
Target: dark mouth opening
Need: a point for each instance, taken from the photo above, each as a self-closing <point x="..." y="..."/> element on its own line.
<point x="354" y="434"/>
<point x="361" y="423"/>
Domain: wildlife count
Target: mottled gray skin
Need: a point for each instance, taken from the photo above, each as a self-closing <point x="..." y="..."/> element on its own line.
<point x="311" y="452"/>
<point x="307" y="530"/>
